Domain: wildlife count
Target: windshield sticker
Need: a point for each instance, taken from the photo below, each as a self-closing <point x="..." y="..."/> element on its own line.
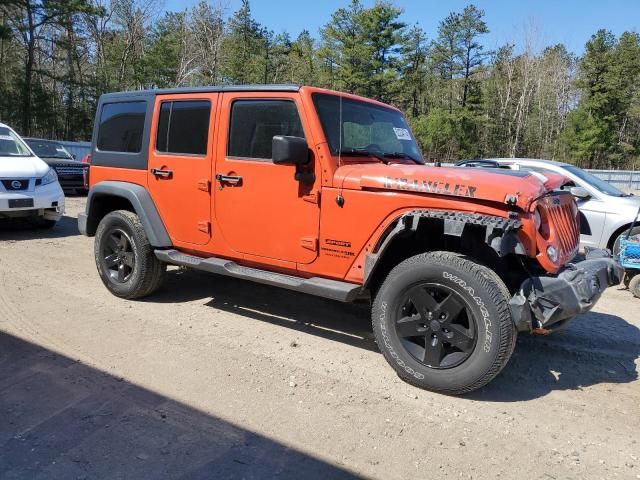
<point x="402" y="133"/>
<point x="426" y="186"/>
<point x="5" y="137"/>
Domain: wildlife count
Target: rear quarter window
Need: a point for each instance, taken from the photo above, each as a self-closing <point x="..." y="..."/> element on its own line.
<point x="121" y="127"/>
<point x="183" y="127"/>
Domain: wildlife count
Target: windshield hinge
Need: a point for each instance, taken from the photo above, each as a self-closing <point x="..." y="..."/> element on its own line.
<point x="310" y="243"/>
<point x="313" y="197"/>
<point x="204" y="185"/>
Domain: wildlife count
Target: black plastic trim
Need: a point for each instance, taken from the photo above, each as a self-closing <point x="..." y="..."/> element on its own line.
<point x="142" y="203"/>
<point x="500" y="233"/>
<point x="544" y="301"/>
<point x="321" y="287"/>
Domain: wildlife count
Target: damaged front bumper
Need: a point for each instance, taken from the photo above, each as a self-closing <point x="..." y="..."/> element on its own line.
<point x="546" y="301"/>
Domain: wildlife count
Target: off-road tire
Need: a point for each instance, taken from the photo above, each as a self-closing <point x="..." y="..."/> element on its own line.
<point x="486" y="301"/>
<point x="634" y="285"/>
<point x="148" y="272"/>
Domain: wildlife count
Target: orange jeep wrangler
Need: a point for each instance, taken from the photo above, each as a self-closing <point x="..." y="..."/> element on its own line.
<point x="326" y="193"/>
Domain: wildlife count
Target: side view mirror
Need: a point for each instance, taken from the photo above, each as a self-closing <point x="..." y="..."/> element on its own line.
<point x="73" y="155"/>
<point x="580" y="192"/>
<point x="288" y="150"/>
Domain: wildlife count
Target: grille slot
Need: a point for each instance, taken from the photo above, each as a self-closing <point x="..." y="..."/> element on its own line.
<point x="559" y="211"/>
<point x="69" y="170"/>
<point x="16" y="184"/>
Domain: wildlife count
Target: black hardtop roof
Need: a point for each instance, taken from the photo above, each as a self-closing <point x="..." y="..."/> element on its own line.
<point x="205" y="89"/>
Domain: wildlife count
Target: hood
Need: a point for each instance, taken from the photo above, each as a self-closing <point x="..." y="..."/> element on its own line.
<point x="631" y="200"/>
<point x="56" y="161"/>
<point x="22" y="167"/>
<point x="494" y="185"/>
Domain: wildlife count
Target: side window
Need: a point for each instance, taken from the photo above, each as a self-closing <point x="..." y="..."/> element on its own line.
<point x="121" y="127"/>
<point x="254" y="123"/>
<point x="183" y="127"/>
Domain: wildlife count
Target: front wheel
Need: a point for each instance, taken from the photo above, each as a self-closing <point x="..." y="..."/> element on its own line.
<point x="443" y="322"/>
<point x="125" y="260"/>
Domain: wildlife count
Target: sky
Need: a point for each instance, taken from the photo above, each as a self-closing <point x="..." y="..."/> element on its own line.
<point x="571" y="22"/>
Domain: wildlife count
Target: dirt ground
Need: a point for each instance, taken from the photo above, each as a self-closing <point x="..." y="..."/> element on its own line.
<point x="217" y="378"/>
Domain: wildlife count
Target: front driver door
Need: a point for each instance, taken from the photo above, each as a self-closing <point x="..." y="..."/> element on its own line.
<point x="260" y="208"/>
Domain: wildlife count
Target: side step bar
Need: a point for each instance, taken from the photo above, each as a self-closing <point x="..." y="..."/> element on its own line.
<point x="321" y="287"/>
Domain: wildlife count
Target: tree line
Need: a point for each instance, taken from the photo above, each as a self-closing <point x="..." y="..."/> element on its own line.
<point x="462" y="100"/>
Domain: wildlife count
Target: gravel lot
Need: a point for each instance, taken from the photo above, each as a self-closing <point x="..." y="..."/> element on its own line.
<point x="216" y="378"/>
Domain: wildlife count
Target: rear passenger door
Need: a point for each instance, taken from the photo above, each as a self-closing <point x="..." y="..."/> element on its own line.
<point x="180" y="164"/>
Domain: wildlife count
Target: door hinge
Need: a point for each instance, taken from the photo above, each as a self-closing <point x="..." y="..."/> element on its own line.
<point x="310" y="243"/>
<point x="204" y="227"/>
<point x="313" y="197"/>
<point x="204" y="185"/>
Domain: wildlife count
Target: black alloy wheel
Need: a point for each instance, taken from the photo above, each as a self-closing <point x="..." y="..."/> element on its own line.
<point x="436" y="326"/>
<point x="118" y="258"/>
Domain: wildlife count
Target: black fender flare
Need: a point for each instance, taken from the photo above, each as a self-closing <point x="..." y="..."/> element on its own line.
<point x="500" y="233"/>
<point x="142" y="204"/>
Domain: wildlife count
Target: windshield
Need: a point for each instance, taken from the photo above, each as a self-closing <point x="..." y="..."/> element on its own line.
<point x="11" y="145"/>
<point x="596" y="182"/>
<point x="366" y="128"/>
<point x="45" y="148"/>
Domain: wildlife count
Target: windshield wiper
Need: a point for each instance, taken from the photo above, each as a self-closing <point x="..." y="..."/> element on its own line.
<point x="402" y="155"/>
<point x="354" y="152"/>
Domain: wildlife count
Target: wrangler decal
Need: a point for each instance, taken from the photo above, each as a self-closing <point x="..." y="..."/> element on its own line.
<point x="428" y="186"/>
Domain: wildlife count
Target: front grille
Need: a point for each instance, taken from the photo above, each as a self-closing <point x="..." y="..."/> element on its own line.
<point x="562" y="216"/>
<point x="69" y="170"/>
<point x="16" y="185"/>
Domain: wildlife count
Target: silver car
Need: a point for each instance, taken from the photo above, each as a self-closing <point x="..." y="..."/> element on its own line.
<point x="606" y="212"/>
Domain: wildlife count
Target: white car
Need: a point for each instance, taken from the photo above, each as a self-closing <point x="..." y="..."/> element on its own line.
<point x="606" y="212"/>
<point x="29" y="188"/>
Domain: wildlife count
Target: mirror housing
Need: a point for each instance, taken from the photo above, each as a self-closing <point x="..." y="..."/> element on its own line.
<point x="580" y="192"/>
<point x="287" y="150"/>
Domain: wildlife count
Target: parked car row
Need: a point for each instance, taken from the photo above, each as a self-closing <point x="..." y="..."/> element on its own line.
<point x="70" y="171"/>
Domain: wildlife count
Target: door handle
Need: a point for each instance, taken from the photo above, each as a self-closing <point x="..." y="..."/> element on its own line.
<point x="161" y="173"/>
<point x="230" y="179"/>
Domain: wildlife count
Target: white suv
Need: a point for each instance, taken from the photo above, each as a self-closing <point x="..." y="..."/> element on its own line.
<point x="29" y="188"/>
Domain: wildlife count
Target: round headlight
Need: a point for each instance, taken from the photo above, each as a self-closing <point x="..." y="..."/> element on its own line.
<point x="552" y="253"/>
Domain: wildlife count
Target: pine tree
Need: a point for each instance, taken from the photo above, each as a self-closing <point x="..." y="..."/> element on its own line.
<point x="243" y="46"/>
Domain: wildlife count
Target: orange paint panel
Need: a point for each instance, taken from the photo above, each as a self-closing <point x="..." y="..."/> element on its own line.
<point x="130" y="175"/>
<point x="183" y="196"/>
<point x="263" y="211"/>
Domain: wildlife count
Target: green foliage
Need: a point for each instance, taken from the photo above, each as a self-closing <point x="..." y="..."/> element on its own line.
<point x="243" y="45"/>
<point x="603" y="131"/>
<point x="58" y="56"/>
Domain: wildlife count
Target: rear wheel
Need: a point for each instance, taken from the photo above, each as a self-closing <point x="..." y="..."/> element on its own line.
<point x="125" y="260"/>
<point x="443" y="322"/>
